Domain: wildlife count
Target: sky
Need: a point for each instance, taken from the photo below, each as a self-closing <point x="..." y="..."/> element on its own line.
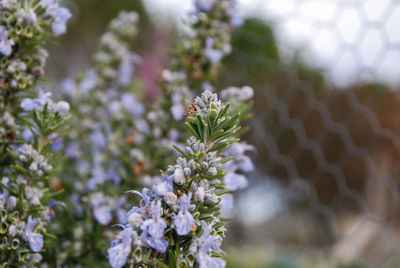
<point x="351" y="39"/>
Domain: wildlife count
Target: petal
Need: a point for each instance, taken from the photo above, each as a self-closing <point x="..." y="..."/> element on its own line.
<point x="35" y="241"/>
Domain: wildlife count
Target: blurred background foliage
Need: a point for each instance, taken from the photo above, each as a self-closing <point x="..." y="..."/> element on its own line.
<point x="291" y="96"/>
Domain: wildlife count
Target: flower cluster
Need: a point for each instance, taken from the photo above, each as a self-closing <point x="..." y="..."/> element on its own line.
<point x="179" y="216"/>
<point x="31" y="126"/>
<point x="115" y="143"/>
<point x="23" y="30"/>
<point x="105" y="104"/>
<point x="198" y="55"/>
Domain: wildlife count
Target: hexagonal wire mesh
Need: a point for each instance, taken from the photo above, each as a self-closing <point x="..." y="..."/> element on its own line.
<point x="332" y="144"/>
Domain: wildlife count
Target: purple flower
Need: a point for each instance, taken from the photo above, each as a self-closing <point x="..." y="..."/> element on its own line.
<point x="210" y="242"/>
<point x="241" y="161"/>
<point x="27" y="134"/>
<point x="62" y="107"/>
<point x="184" y="220"/>
<point x="214" y="55"/>
<point x="126" y="69"/>
<point x="5" y="43"/>
<point x="204" y="5"/>
<point x="129" y="102"/>
<point x="234" y="181"/>
<point x="60" y="15"/>
<point x="226" y="203"/>
<point x="120" y="248"/>
<point x="57" y="144"/>
<point x="153" y="229"/>
<point x="165" y="186"/>
<point x="72" y="150"/>
<point x="35" y="240"/>
<point x="146" y="198"/>
<point x="142" y="126"/>
<point x="177" y="108"/>
<point x="90" y="81"/>
<point x="113" y="176"/>
<point x="101" y="209"/>
<point x="68" y="87"/>
<point x="103" y="214"/>
<point x="37" y="104"/>
<point x="98" y="139"/>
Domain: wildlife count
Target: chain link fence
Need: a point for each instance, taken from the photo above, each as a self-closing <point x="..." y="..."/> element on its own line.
<point x="326" y="129"/>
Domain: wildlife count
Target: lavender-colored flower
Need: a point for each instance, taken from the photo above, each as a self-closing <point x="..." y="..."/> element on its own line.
<point x="145" y="202"/>
<point x="60" y="15"/>
<point x="72" y="150"/>
<point x="5" y="43"/>
<point x="184" y="220"/>
<point x="142" y="126"/>
<point x="103" y="214"/>
<point x="68" y="87"/>
<point x="234" y="181"/>
<point x="27" y="134"/>
<point x="209" y="243"/>
<point x="57" y="144"/>
<point x="204" y="5"/>
<point x="35" y="240"/>
<point x="214" y="55"/>
<point x="241" y="161"/>
<point x="113" y="176"/>
<point x="226" y="203"/>
<point x="101" y="208"/>
<point x="62" y="107"/>
<point x="38" y="104"/>
<point x="126" y="69"/>
<point x="177" y="108"/>
<point x="98" y="139"/>
<point x="153" y="229"/>
<point x="130" y="103"/>
<point x="165" y="186"/>
<point x="120" y="248"/>
<point x="91" y="80"/>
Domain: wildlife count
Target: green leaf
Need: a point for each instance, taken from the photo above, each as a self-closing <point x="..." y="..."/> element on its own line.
<point x="226" y="159"/>
<point x="222" y="192"/>
<point x="163" y="265"/>
<point x="172" y="260"/>
<point x="218" y="225"/>
<point x="192" y="130"/>
<point x="181" y="151"/>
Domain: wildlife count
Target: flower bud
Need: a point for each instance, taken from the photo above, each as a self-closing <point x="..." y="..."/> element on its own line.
<point x="11" y="202"/>
<point x="187" y="172"/>
<point x="199" y="194"/>
<point x="62" y="107"/>
<point x="204" y="165"/>
<point x="135" y="219"/>
<point x="211" y="199"/>
<point x="212" y="171"/>
<point x="179" y="178"/>
<point x="12" y="231"/>
<point x="170" y="198"/>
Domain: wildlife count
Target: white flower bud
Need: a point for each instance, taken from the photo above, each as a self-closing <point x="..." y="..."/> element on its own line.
<point x="204" y="165"/>
<point x="187" y="172"/>
<point x="211" y="199"/>
<point x="11" y="202"/>
<point x="212" y="171"/>
<point x="170" y="198"/>
<point x="135" y="219"/>
<point x="12" y="230"/>
<point x="179" y="178"/>
<point x="62" y="107"/>
<point x="199" y="194"/>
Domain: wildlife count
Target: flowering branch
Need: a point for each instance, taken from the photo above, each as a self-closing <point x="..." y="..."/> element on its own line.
<point x="177" y="222"/>
<point x="31" y="126"/>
